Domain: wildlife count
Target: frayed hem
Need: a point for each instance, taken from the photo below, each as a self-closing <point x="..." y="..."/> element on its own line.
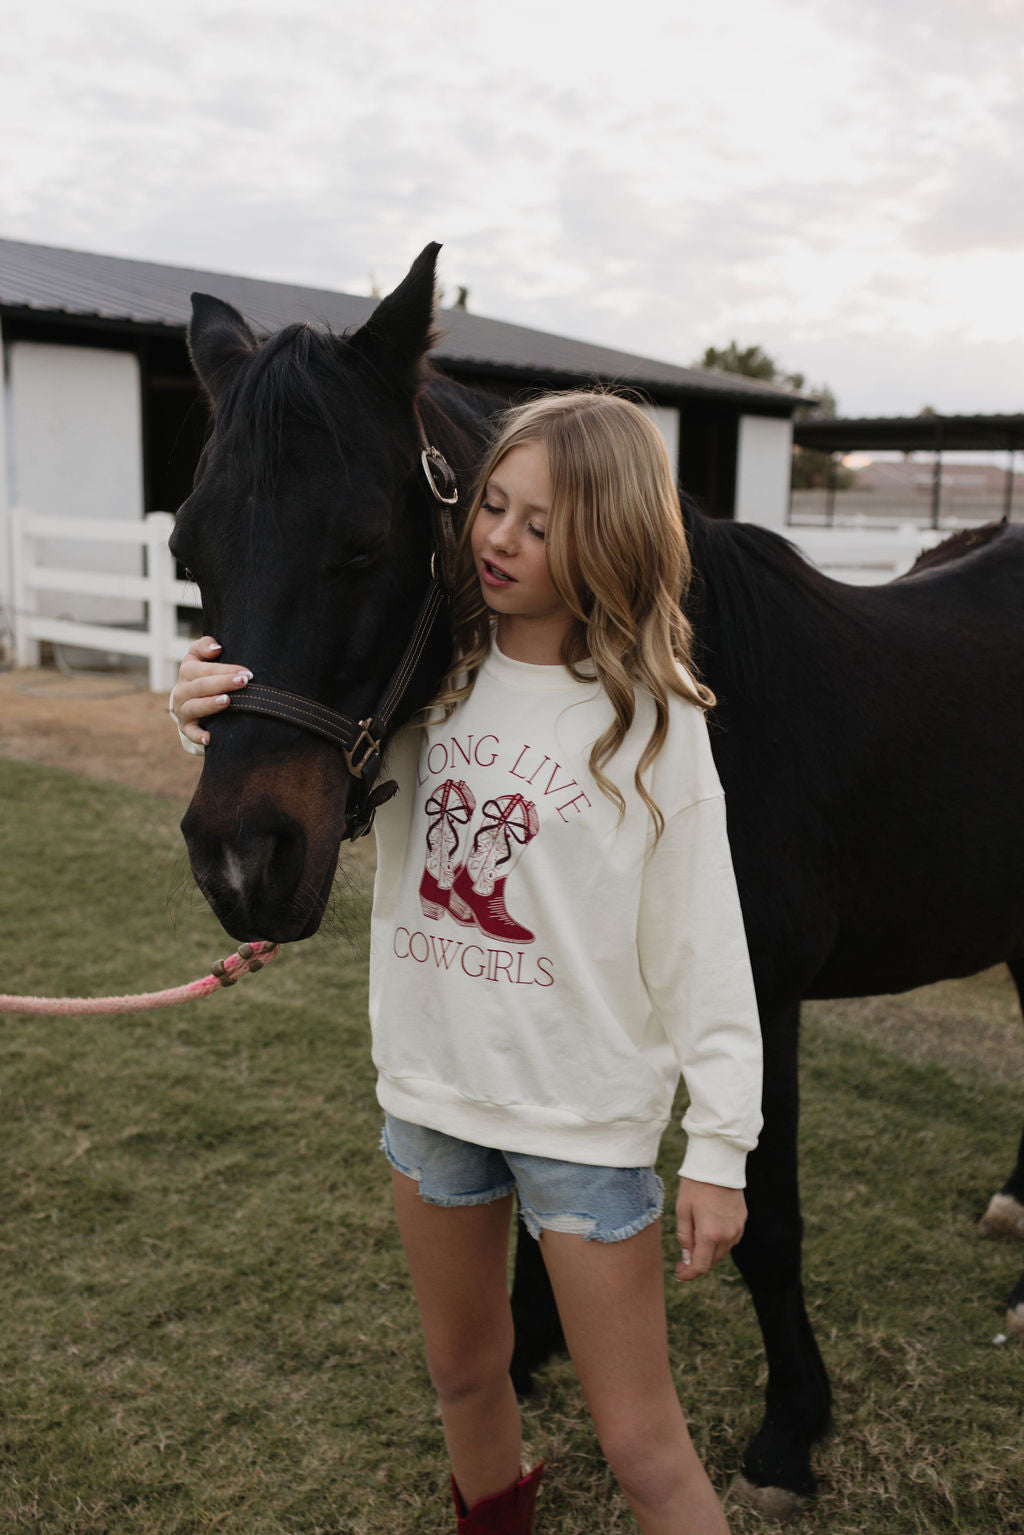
<point x="571" y="1223"/>
<point x="444" y="1201"/>
<point x="461" y="1201"/>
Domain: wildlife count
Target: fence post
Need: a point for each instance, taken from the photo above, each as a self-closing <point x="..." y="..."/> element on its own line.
<point x="26" y="649"/>
<point x="163" y="618"/>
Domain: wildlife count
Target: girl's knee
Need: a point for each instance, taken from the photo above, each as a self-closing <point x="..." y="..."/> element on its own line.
<point x="458" y="1376"/>
<point x="654" y="1468"/>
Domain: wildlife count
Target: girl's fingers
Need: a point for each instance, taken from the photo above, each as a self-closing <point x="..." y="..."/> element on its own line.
<point x="215" y="681"/>
<point x="201" y="684"/>
<point x="206" y="648"/>
<point x="709" y="1222"/>
<point x="209" y="699"/>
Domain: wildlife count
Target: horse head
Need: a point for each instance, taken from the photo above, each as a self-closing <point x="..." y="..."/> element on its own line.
<point x="309" y="532"/>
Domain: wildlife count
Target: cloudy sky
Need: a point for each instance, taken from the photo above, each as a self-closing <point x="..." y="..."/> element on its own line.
<point x="839" y="182"/>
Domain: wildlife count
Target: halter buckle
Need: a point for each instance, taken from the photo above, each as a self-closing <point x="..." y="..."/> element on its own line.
<point x="365" y="745"/>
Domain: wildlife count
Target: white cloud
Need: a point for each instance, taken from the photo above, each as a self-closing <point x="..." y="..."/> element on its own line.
<point x="817" y="177"/>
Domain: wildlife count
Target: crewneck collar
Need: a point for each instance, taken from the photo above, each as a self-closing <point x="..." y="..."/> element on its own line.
<point x="529" y="677"/>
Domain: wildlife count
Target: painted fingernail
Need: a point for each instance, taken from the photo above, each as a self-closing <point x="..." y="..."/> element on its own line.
<point x="222" y="698"/>
<point x="214" y="645"/>
<point x="242" y="677"/>
<point x="686" y="1256"/>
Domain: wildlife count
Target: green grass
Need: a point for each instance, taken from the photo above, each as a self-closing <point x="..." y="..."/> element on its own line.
<point x="206" y="1324"/>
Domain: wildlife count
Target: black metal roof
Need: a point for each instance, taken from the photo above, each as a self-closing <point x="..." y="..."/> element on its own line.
<point x="113" y="291"/>
<point x="909" y="434"/>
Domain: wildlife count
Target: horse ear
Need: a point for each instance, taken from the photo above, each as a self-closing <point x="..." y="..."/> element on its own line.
<point x="399" y="334"/>
<point x="218" y="340"/>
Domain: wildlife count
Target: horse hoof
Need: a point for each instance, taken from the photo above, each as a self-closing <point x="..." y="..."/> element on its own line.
<point x="776" y="1503"/>
<point x="1003" y="1218"/>
<point x="1015" y="1322"/>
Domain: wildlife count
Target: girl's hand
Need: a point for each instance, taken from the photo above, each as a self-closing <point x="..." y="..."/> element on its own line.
<point x="709" y="1221"/>
<point x="203" y="685"/>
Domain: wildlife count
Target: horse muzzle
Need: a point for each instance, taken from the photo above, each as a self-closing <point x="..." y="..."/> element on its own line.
<point x="264" y="849"/>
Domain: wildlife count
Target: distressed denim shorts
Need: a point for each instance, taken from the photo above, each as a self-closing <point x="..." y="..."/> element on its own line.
<point x="603" y="1204"/>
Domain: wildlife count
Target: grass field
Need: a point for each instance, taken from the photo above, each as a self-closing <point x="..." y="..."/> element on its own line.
<point x="205" y="1321"/>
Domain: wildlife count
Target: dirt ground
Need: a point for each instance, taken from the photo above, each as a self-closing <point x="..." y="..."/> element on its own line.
<point x="102" y="727"/>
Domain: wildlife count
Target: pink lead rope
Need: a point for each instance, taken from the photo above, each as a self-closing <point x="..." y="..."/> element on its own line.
<point x="225" y="972"/>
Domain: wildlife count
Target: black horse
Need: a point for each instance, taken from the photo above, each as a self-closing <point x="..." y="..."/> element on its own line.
<point x="870" y="739"/>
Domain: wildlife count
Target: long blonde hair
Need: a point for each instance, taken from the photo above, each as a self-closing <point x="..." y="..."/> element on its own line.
<point x="618" y="558"/>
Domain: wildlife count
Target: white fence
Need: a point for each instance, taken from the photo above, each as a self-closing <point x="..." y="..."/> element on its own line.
<point x="853" y="508"/>
<point x="157" y="640"/>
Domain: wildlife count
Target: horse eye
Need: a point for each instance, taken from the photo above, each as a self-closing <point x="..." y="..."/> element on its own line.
<point x="351" y="564"/>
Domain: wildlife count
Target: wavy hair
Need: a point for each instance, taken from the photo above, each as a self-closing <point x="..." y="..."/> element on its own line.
<point x="618" y="558"/>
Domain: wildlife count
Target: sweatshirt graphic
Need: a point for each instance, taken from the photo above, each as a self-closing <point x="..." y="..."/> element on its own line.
<point x="473" y="892"/>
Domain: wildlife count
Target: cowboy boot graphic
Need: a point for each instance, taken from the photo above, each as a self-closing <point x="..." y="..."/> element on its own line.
<point x="478" y="891"/>
<point x="449" y="807"/>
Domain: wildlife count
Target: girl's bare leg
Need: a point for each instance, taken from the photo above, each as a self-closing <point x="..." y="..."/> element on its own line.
<point x="457" y="1259"/>
<point x="611" y="1301"/>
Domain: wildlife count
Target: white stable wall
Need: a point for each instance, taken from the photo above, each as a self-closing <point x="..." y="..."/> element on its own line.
<point x="666" y="419"/>
<point x="6" y="579"/>
<point x="74" y="449"/>
<point x="763" y="465"/>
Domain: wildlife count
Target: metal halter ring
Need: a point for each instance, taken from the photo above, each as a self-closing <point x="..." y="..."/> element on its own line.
<point x="433" y="460"/>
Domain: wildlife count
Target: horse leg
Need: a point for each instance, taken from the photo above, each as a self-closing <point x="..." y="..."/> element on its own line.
<point x="538" y="1329"/>
<point x="1005" y="1214"/>
<point x="1005" y="1218"/>
<point x="776" y="1477"/>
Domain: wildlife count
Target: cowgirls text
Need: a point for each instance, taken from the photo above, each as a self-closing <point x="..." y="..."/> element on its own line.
<point x="476" y="962"/>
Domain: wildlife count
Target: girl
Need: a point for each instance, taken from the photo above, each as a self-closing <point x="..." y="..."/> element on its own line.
<point x="556" y="934"/>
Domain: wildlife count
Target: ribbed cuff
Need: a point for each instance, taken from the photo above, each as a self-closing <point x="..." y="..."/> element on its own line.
<point x="714" y="1161"/>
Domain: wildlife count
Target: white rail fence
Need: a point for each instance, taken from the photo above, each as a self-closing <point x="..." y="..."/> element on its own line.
<point x="157" y="639"/>
<point x="863" y="556"/>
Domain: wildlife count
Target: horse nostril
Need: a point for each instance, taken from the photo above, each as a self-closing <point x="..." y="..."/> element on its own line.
<point x="264" y="859"/>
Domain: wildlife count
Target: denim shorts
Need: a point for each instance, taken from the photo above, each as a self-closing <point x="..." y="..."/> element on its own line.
<point x="603" y="1204"/>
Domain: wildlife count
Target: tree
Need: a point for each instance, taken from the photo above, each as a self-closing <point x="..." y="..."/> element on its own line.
<point x="810" y="469"/>
<point x="751" y="362"/>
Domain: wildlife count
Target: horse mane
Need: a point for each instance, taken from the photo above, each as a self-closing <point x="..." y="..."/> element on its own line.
<point x="294" y="373"/>
<point x="955" y="547"/>
<point x="744" y="578"/>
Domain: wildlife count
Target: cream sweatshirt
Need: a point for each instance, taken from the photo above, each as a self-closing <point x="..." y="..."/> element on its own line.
<point x="540" y="970"/>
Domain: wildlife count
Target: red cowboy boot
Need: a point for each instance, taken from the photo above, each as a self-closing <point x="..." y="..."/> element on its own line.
<point x="467" y="905"/>
<point x="478" y="892"/>
<point x="448" y="808"/>
<point x="506" y="1513"/>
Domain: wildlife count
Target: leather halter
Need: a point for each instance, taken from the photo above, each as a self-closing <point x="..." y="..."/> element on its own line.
<point x="361" y="740"/>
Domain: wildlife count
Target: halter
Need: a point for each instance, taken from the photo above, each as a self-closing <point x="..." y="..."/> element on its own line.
<point x="361" y="740"/>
